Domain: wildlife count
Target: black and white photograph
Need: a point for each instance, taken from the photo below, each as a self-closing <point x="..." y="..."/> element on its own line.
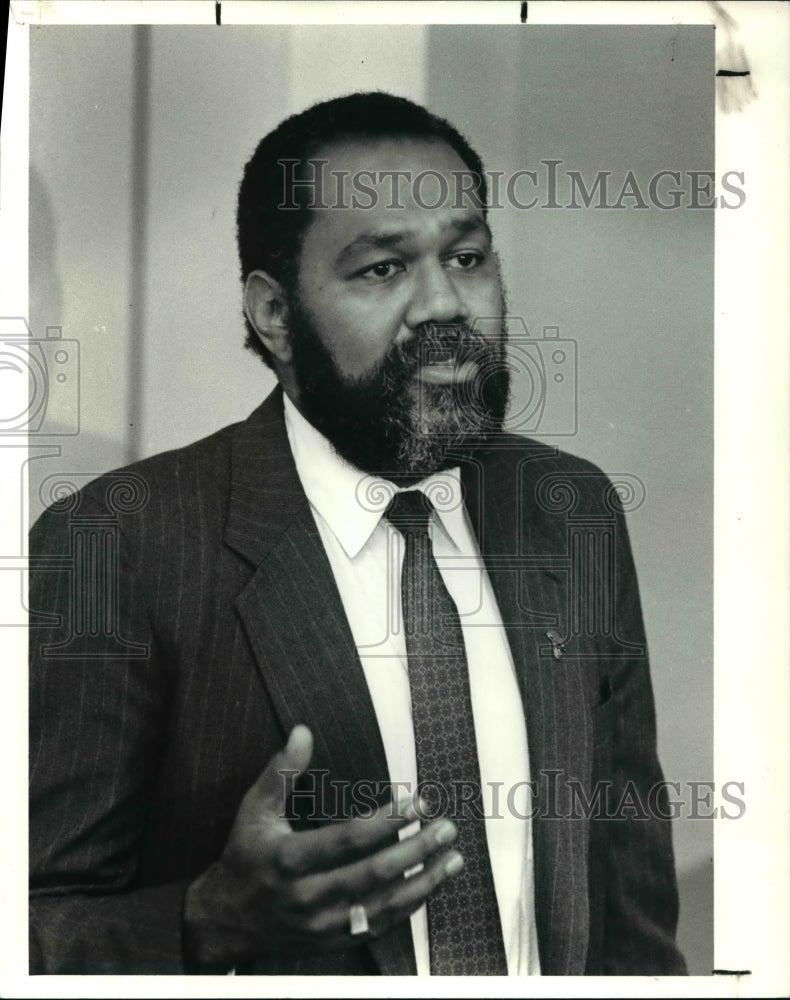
<point x="396" y="587"/>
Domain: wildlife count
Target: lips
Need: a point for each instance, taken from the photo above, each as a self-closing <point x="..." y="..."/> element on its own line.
<point x="445" y="372"/>
<point x="445" y="355"/>
<point x="438" y="353"/>
<point x="449" y="359"/>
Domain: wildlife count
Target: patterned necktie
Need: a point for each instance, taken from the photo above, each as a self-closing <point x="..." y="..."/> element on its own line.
<point x="464" y="931"/>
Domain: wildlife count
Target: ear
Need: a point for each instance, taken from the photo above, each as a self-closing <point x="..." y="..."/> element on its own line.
<point x="265" y="306"/>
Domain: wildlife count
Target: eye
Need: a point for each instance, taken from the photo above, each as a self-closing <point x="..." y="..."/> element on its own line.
<point x="382" y="270"/>
<point x="466" y="260"/>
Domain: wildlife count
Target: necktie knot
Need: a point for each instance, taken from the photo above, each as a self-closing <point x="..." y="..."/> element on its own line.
<point x="409" y="511"/>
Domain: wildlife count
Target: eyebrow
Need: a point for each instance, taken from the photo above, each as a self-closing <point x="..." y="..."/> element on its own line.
<point x="385" y="241"/>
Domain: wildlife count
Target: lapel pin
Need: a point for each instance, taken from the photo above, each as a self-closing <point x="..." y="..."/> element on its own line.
<point x="557" y="645"/>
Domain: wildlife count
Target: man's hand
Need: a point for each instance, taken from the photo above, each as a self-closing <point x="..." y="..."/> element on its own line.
<point x="274" y="890"/>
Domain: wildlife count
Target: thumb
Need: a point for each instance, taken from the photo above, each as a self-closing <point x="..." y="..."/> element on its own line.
<point x="277" y="779"/>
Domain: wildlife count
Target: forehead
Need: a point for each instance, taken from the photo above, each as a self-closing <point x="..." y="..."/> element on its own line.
<point x="389" y="185"/>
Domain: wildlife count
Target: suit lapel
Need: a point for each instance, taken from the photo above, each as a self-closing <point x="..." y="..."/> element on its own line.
<point x="298" y="631"/>
<point x="499" y="492"/>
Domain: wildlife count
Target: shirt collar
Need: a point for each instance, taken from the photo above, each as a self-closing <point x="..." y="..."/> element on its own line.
<point x="352" y="502"/>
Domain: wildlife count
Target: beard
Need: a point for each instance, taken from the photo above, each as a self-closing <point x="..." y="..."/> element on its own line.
<point x="391" y="423"/>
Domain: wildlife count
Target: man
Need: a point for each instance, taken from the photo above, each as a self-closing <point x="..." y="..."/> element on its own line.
<point x="311" y="696"/>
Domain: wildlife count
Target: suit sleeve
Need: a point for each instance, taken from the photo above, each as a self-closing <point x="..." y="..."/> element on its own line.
<point x="97" y="708"/>
<point x="640" y="890"/>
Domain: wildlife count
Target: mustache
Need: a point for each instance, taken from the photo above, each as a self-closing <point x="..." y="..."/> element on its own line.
<point x="455" y="343"/>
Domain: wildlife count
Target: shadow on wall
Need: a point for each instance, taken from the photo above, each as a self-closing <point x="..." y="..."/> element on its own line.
<point x="695" y="929"/>
<point x="46" y="292"/>
<point x="58" y="455"/>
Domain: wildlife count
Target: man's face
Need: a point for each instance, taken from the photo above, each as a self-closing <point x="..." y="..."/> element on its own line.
<point x="387" y="362"/>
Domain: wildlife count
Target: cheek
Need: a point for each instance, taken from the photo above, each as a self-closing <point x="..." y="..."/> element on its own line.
<point x="490" y="302"/>
<point x="359" y="337"/>
<point x="356" y="330"/>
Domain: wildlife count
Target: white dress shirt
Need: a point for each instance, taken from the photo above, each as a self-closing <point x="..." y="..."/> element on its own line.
<point x="366" y="555"/>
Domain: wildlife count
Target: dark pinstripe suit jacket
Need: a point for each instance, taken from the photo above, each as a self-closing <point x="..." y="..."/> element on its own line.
<point x="186" y="617"/>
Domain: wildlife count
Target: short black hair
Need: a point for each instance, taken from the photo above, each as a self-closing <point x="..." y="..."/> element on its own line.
<point x="269" y="236"/>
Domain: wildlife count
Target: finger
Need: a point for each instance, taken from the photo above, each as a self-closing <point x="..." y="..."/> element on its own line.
<point x="270" y="792"/>
<point x="405" y="896"/>
<point x="333" y="846"/>
<point x="373" y="873"/>
<point x="330" y="927"/>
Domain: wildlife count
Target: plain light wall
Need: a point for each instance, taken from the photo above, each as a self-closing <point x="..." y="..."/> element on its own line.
<point x="138" y="139"/>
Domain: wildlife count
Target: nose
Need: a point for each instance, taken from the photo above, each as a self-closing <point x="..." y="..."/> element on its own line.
<point x="435" y="298"/>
